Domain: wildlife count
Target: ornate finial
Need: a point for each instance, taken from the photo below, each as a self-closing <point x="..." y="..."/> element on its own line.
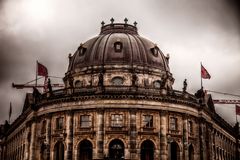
<point x="102" y="23"/>
<point x="125" y="20"/>
<point x="112" y="20"/>
<point x="135" y="24"/>
<point x="69" y="55"/>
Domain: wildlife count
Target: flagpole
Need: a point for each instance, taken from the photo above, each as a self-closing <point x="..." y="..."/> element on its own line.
<point x="36" y="73"/>
<point x="236" y="118"/>
<point x="201" y="73"/>
<point x="237" y="112"/>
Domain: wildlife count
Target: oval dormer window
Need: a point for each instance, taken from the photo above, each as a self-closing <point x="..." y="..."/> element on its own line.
<point x="117" y="81"/>
<point x="118" y="46"/>
<point x="154" y="51"/>
<point x="157" y="84"/>
<point x="82" y="50"/>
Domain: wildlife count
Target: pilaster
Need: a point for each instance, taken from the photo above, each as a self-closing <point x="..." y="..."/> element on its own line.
<point x="69" y="138"/>
<point x="98" y="154"/>
<point x="133" y="135"/>
<point x="163" y="136"/>
<point x="33" y="140"/>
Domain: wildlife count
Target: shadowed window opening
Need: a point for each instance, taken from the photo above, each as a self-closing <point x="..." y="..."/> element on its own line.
<point x="154" y="51"/>
<point x="59" y="123"/>
<point x="174" y="151"/>
<point x="59" y="151"/>
<point x="116" y="150"/>
<point x="147" y="150"/>
<point x="82" y="50"/>
<point x="190" y="153"/>
<point x="85" y="150"/>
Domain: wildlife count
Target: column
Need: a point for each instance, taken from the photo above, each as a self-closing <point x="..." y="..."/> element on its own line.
<point x="202" y="139"/>
<point x="98" y="154"/>
<point x="33" y="140"/>
<point x="185" y="137"/>
<point x="48" y="136"/>
<point x="69" y="138"/>
<point x="163" y="136"/>
<point x="133" y="135"/>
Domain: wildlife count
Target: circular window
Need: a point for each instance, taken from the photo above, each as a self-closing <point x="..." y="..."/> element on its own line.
<point x="157" y="84"/>
<point x="117" y="81"/>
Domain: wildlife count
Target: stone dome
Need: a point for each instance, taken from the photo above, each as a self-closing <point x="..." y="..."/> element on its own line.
<point x="118" y="44"/>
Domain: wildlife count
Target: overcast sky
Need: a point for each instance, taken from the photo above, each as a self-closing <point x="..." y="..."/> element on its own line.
<point x="191" y="31"/>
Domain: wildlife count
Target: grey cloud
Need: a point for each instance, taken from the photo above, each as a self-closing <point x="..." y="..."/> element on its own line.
<point x="190" y="30"/>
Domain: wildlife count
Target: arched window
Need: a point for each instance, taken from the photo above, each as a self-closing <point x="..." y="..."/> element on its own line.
<point x="59" y="151"/>
<point x="117" y="81"/>
<point x="85" y="150"/>
<point x="147" y="150"/>
<point x="116" y="149"/>
<point x="174" y="151"/>
<point x="190" y="152"/>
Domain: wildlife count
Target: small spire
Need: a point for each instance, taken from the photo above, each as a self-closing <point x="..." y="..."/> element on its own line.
<point x="112" y="20"/>
<point x="125" y="20"/>
<point x="102" y="23"/>
<point x="135" y="24"/>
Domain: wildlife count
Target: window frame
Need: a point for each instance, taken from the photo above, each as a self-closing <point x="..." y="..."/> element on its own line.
<point x="113" y="80"/>
<point x="158" y="82"/>
<point x="117" y="120"/>
<point x="59" y="123"/>
<point x="173" y="126"/>
<point x="148" y="121"/>
<point x="116" y="44"/>
<point x="87" y="121"/>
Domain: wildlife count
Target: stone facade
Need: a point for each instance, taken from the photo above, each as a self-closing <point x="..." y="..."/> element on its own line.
<point x="119" y="111"/>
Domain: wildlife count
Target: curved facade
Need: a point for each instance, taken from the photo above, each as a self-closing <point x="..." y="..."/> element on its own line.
<point x="118" y="103"/>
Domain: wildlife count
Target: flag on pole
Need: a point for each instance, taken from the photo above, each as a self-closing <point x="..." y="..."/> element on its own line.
<point x="237" y="109"/>
<point x="41" y="70"/>
<point x="10" y="111"/>
<point x="204" y="73"/>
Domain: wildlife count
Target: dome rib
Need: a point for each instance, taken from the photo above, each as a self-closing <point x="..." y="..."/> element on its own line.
<point x="131" y="48"/>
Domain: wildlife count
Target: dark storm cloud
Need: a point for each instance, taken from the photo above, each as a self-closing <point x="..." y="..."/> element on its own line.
<point x="190" y="30"/>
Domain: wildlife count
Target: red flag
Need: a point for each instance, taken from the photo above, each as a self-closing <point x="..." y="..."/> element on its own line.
<point x="42" y="70"/>
<point x="237" y="110"/>
<point x="204" y="73"/>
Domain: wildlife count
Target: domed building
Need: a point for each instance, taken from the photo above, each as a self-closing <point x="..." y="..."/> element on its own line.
<point x="118" y="103"/>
